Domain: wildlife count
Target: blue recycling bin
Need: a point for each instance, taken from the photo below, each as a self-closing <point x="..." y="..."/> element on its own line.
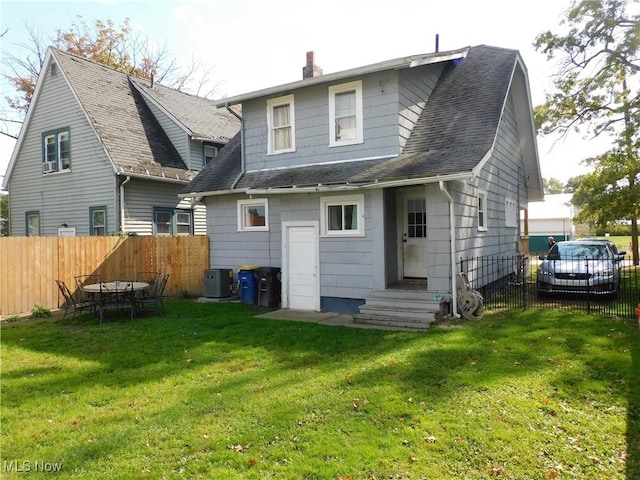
<point x="248" y="284"/>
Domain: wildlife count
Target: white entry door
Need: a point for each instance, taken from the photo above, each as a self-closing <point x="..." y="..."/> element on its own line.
<point x="414" y="235"/>
<point x="301" y="282"/>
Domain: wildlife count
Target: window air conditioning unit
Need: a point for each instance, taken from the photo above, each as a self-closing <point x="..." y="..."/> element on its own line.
<point x="48" y="167"/>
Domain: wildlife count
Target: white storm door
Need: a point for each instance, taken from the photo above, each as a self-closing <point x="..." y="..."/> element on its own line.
<point x="301" y="286"/>
<point x="414" y="236"/>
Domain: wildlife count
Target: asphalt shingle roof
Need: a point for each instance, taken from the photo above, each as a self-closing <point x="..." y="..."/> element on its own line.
<point x="456" y="129"/>
<point x="198" y="115"/>
<point x="128" y="130"/>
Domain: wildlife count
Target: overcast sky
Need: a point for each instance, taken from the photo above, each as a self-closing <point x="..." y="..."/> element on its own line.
<point x="253" y="44"/>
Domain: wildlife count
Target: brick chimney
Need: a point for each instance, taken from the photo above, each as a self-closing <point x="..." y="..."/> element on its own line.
<point x="311" y="69"/>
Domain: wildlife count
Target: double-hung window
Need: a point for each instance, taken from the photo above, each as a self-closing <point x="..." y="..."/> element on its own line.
<point x="281" y="125"/>
<point x="32" y="224"/>
<point x="97" y="221"/>
<point x="253" y="215"/>
<point x="342" y="215"/>
<point x="56" y="151"/>
<point x="482" y="210"/>
<point x="210" y="151"/>
<point x="172" y="221"/>
<point x="345" y="114"/>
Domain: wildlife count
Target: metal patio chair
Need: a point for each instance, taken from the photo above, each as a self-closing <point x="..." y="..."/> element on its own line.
<point x="116" y="296"/>
<point x="71" y="304"/>
<point x="155" y="298"/>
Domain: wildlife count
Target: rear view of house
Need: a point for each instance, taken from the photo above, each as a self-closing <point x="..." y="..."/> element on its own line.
<point x="368" y="186"/>
<point x="101" y="151"/>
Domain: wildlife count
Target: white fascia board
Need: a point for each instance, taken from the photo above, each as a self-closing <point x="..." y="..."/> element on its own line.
<point x="403" y="62"/>
<point x="27" y="119"/>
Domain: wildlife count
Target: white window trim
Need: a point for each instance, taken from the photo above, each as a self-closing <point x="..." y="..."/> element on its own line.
<point x="333" y="91"/>
<point x="343" y="200"/>
<point x="271" y="104"/>
<point x="511" y="213"/>
<point x="482" y="195"/>
<point x="242" y="227"/>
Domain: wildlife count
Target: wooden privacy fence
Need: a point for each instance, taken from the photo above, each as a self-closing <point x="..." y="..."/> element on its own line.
<point x="29" y="266"/>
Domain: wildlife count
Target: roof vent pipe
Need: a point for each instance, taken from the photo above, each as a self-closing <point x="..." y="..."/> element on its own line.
<point x="437" y="42"/>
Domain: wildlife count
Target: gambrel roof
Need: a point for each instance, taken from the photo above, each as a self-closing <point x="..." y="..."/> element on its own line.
<point x="130" y="134"/>
<point x="454" y="135"/>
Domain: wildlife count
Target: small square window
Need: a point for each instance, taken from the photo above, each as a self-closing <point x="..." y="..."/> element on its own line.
<point x="209" y="153"/>
<point x="342" y="215"/>
<point x="253" y="215"/>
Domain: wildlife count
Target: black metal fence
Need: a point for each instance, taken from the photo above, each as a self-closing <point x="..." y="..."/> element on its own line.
<point x="510" y="282"/>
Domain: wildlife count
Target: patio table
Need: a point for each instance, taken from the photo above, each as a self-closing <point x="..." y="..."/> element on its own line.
<point x="117" y="286"/>
<point x="118" y="295"/>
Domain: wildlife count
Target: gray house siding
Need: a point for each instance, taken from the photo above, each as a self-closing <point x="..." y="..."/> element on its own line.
<point x="142" y="196"/>
<point x="501" y="179"/>
<point x="415" y="86"/>
<point x="196" y="155"/>
<point x="177" y="135"/>
<point x="382" y="114"/>
<point x="90" y="181"/>
<point x="347" y="265"/>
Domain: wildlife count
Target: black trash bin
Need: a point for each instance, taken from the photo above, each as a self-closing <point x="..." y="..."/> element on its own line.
<point x="269" y="286"/>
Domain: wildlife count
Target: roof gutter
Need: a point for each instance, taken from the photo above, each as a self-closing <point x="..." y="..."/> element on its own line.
<point x="452" y="240"/>
<point x="152" y="177"/>
<point x="357" y="186"/>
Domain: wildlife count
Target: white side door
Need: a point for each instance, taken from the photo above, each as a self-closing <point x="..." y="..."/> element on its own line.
<point x="300" y="266"/>
<point x="414" y="235"/>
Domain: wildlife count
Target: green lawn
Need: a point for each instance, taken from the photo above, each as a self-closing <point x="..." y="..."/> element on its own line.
<point x="210" y="391"/>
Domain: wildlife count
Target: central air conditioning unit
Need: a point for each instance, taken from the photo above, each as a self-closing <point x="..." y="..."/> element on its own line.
<point x="48" y="167"/>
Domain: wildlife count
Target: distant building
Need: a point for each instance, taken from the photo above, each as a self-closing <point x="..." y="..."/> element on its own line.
<point x="552" y="217"/>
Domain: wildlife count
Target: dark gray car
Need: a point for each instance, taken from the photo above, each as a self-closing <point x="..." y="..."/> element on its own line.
<point x="579" y="266"/>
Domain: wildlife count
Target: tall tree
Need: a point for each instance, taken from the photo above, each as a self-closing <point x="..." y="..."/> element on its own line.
<point x="118" y="47"/>
<point x="4" y="215"/>
<point x="553" y="186"/>
<point x="596" y="90"/>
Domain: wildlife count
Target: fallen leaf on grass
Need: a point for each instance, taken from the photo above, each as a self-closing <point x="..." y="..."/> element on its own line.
<point x="497" y="470"/>
<point x="239" y="448"/>
<point x="253" y="462"/>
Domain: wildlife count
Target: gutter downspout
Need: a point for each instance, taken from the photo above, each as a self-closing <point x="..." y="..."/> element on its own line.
<point x="242" y="165"/>
<point x="126" y="180"/>
<point x="452" y="239"/>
